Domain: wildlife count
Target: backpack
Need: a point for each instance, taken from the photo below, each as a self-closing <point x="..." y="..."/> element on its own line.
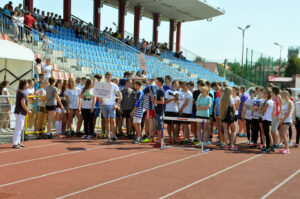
<point x="230" y="115"/>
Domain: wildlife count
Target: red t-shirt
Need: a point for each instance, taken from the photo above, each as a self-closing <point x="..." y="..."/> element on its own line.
<point x="29" y="21"/>
<point x="218" y="93"/>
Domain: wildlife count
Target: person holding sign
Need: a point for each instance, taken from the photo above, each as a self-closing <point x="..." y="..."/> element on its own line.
<point x="109" y="107"/>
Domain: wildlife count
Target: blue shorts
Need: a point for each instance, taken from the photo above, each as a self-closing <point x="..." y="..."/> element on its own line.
<point x="158" y="122"/>
<point x="108" y="112"/>
<point x="97" y="109"/>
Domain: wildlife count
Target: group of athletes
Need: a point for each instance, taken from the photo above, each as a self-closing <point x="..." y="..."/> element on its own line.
<point x="137" y="107"/>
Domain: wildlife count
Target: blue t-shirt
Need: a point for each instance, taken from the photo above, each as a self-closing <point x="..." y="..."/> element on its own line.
<point x="217" y="104"/>
<point x="212" y="96"/>
<point x="167" y="87"/>
<point x="203" y="101"/>
<point x="139" y="104"/>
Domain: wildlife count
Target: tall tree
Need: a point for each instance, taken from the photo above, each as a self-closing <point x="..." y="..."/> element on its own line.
<point x="293" y="66"/>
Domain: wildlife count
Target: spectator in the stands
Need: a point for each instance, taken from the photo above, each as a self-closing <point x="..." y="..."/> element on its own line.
<point x="26" y="10"/>
<point x="138" y="74"/>
<point x="9" y="7"/>
<point x="144" y="74"/>
<point x="37" y="68"/>
<point x="47" y="69"/>
<point x="126" y="40"/>
<point x="110" y="31"/>
<point x="20" y="24"/>
<point x="143" y="47"/>
<point x="19" y="8"/>
<point x="6" y="19"/>
<point x="105" y="30"/>
<point x="31" y="23"/>
<point x="52" y="28"/>
<point x="14" y="20"/>
<point x="34" y="13"/>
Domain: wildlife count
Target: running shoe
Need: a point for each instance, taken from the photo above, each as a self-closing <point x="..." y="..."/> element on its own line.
<point x="157" y="145"/>
<point x="89" y="137"/>
<point x="291" y="143"/>
<point x="284" y="151"/>
<point x="253" y="146"/>
<point x="145" y="140"/>
<point x="208" y="142"/>
<point x="273" y="149"/>
<point x="198" y="144"/>
<point x="136" y="141"/>
<point x="281" y="144"/>
<point x="265" y="150"/>
<point x="233" y="148"/>
<point x="3" y="131"/>
<point x="226" y="147"/>
<point x="84" y="137"/>
<point x="296" y="145"/>
<point x="114" y="139"/>
<point x="106" y="140"/>
<point x="50" y="136"/>
<point x="239" y="135"/>
<point x="244" y="135"/>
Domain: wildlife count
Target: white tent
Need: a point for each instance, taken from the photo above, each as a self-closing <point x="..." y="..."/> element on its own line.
<point x="16" y="62"/>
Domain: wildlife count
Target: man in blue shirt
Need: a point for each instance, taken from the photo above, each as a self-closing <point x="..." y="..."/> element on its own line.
<point x="159" y="109"/>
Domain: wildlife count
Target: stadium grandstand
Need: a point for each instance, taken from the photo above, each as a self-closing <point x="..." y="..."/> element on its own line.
<point x="89" y="51"/>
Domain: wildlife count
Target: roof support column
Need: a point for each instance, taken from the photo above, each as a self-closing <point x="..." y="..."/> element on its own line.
<point x="122" y="11"/>
<point x="29" y="5"/>
<point x="137" y="17"/>
<point x="155" y="27"/>
<point x="97" y="13"/>
<point x="171" y="39"/>
<point x="178" y="37"/>
<point x="67" y="11"/>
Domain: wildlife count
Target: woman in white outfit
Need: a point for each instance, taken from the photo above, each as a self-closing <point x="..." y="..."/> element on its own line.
<point x="21" y="110"/>
<point x="286" y="120"/>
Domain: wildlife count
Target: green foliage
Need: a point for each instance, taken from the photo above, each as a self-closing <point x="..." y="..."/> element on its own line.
<point x="199" y="59"/>
<point x="293" y="66"/>
<point x="221" y="70"/>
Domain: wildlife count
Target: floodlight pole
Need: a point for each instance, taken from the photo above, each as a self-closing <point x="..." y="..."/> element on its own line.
<point x="279" y="68"/>
<point x="243" y="44"/>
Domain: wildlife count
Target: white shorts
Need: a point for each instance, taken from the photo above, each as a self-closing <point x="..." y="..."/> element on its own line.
<point x="58" y="110"/>
<point x="137" y="120"/>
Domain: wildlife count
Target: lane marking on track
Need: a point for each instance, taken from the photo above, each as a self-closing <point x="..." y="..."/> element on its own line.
<point x="34" y="147"/>
<point x="74" y="168"/>
<point x="208" y="177"/>
<point x="281" y="184"/>
<point x="127" y="176"/>
<point x="51" y="156"/>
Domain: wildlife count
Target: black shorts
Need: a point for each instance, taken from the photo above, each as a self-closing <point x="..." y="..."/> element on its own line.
<point x="50" y="108"/>
<point x="212" y="118"/>
<point x="126" y="114"/>
<point x="236" y="118"/>
<point x="118" y="114"/>
<point x="184" y="115"/>
<point x="171" y="114"/>
<point x="240" y="117"/>
<point x="260" y="120"/>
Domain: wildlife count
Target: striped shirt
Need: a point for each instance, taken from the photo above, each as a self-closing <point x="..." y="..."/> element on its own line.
<point x="139" y="104"/>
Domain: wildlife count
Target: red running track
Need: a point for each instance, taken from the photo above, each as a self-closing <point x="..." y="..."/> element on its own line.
<point x="73" y="168"/>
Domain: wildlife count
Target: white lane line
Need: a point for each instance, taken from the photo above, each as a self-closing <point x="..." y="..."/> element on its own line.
<point x="50" y="156"/>
<point x="280" y="185"/>
<point x="73" y="168"/>
<point x="127" y="176"/>
<point x="208" y="177"/>
<point x="34" y="147"/>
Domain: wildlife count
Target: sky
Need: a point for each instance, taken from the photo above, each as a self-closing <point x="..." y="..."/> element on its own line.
<point x="271" y="21"/>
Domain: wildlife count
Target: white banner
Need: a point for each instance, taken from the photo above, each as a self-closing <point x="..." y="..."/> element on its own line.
<point x="142" y="61"/>
<point x="102" y="89"/>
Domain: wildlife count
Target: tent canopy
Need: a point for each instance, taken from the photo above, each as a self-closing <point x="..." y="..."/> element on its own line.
<point x="10" y="50"/>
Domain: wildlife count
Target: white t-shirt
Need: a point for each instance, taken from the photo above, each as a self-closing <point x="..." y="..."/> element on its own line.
<point x="269" y="111"/>
<point x="297" y="107"/>
<point x="3" y="100"/>
<point x="29" y="91"/>
<point x="87" y="101"/>
<point x="235" y="100"/>
<point x="79" y="86"/>
<point x="112" y="99"/>
<point x="48" y="70"/>
<point x="183" y="96"/>
<point x="248" y="111"/>
<point x="41" y="92"/>
<point x="20" y="21"/>
<point x="285" y="109"/>
<point x="73" y="95"/>
<point x="171" y="106"/>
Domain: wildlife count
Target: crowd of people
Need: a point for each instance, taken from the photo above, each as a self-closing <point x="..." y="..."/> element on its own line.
<point x="137" y="106"/>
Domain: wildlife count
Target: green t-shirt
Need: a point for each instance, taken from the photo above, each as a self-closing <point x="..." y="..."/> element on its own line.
<point x="203" y="101"/>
